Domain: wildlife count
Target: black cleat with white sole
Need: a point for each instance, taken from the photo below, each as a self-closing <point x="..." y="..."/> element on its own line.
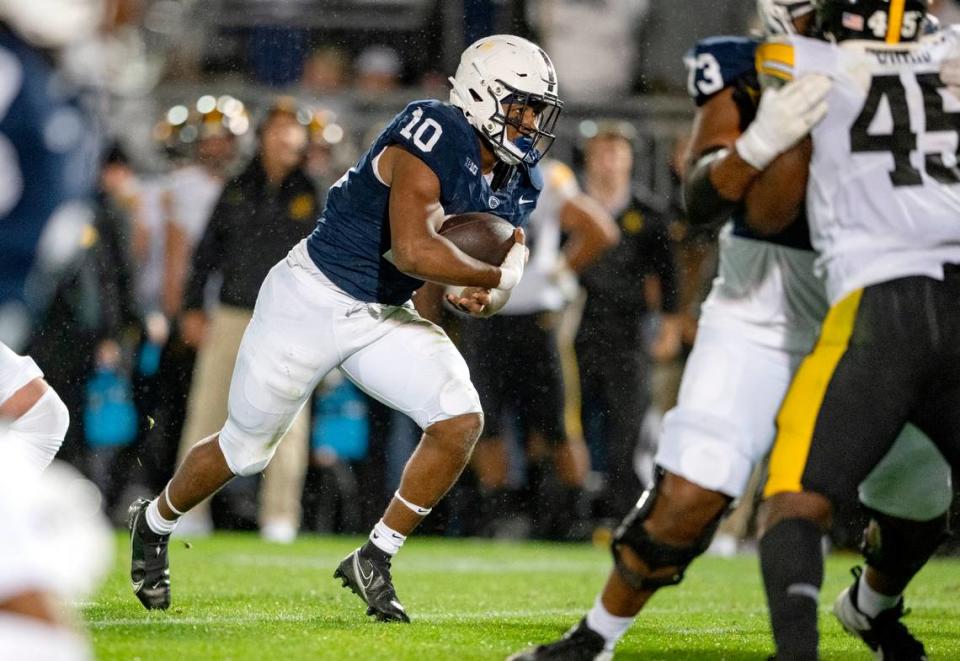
<point x="366" y="572"/>
<point x="149" y="564"/>
<point x="885" y="634"/>
<point x="580" y="643"/>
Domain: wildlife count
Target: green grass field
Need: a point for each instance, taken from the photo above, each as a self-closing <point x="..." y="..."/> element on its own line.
<point x="235" y="597"/>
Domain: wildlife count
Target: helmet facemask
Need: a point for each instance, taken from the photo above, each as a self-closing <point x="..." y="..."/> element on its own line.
<point x="531" y="142"/>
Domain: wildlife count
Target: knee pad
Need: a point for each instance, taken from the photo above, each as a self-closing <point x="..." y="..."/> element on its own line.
<point x="40" y="431"/>
<point x="655" y="554"/>
<point x="246" y="454"/>
<point x="457" y="397"/>
<point x="901" y="547"/>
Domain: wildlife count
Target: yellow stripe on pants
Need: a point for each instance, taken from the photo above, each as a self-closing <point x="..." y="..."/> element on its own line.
<point x="801" y="407"/>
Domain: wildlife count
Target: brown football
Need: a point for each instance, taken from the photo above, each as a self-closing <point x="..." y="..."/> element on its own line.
<point x="481" y="235"/>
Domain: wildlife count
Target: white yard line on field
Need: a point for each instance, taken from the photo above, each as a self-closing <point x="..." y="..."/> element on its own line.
<point x="431" y="565"/>
<point x="425" y="618"/>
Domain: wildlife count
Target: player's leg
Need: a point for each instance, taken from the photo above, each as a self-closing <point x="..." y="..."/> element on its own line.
<point x="908" y="496"/>
<point x="557" y="462"/>
<point x="281" y="488"/>
<point x="207" y="401"/>
<point x="414" y="368"/>
<point x="831" y="435"/>
<point x="288" y="346"/>
<point x="721" y="427"/>
<point x="32" y="415"/>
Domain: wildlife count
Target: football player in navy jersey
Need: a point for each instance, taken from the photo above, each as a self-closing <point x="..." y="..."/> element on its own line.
<point x="763" y="313"/>
<point x="341" y="300"/>
<point x="47" y="172"/>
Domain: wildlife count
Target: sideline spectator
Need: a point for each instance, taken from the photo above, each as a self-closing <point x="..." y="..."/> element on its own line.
<point x="378" y="70"/>
<point x="623" y="286"/>
<point x="611" y="41"/>
<point x="91" y="308"/>
<point x="521" y="384"/>
<point x="267" y="208"/>
<point x="202" y="141"/>
<point x="326" y="72"/>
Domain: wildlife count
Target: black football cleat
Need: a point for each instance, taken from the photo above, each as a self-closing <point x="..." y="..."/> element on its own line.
<point x="367" y="573"/>
<point x="581" y="643"/>
<point x="149" y="564"/>
<point x="885" y="634"/>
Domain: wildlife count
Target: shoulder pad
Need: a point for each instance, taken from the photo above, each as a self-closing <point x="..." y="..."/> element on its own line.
<point x="439" y="135"/>
<point x="429" y="111"/>
<point x="717" y="63"/>
<point x="534" y="175"/>
<point x="775" y="61"/>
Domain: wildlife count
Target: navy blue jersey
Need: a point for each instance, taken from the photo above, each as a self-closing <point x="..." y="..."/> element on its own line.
<point x="718" y="63"/>
<point x="353" y="233"/>
<point x="48" y="156"/>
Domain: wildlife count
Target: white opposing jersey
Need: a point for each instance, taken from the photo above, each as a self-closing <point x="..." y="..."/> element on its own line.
<point x="765" y="292"/>
<point x="883" y="198"/>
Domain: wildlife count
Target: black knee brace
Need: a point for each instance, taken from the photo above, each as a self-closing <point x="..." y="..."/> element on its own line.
<point x="901" y="547"/>
<point x="656" y="555"/>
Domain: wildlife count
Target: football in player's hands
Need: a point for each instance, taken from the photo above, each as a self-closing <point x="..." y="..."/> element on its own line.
<point x="481" y="235"/>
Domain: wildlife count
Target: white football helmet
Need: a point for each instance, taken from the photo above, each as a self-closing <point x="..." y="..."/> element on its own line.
<point x="499" y="76"/>
<point x="53" y="23"/>
<point x="777" y="16"/>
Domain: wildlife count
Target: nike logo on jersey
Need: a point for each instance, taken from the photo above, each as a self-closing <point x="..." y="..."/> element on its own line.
<point x="524" y="200"/>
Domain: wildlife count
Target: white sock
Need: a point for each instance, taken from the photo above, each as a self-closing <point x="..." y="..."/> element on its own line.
<point x="607" y="625"/>
<point x="386" y="539"/>
<point x="870" y="602"/>
<point x="155" y="520"/>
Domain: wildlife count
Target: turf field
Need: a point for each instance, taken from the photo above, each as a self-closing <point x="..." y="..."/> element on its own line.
<point x="236" y="597"/>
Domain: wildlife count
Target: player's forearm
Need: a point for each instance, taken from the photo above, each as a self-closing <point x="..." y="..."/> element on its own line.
<point x="715" y="185"/>
<point x="435" y="259"/>
<point x="732" y="176"/>
<point x="775" y="199"/>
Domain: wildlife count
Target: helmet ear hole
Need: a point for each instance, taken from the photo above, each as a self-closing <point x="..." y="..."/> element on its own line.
<point x="476" y="95"/>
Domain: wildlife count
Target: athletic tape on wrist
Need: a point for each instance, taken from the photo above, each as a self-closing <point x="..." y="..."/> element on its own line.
<point x="416" y="509"/>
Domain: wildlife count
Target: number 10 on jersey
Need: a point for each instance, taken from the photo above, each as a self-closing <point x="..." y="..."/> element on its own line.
<point x="420" y="138"/>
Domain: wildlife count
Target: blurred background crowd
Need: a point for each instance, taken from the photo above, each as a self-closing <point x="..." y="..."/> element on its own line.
<point x="224" y="122"/>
